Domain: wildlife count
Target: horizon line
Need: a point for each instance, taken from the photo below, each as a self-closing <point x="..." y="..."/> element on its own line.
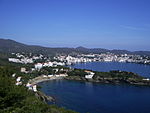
<point x="70" y="47"/>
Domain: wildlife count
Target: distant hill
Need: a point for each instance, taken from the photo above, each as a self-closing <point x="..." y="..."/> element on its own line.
<point x="9" y="46"/>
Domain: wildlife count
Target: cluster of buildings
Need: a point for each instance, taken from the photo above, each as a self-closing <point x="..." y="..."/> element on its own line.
<point x="23" y="58"/>
<point x="31" y="87"/>
<point x="38" y="66"/>
<point x="110" y="57"/>
<point x="68" y="59"/>
<point x="28" y="85"/>
<point x="18" y="79"/>
<point x="62" y="60"/>
<point x="104" y="57"/>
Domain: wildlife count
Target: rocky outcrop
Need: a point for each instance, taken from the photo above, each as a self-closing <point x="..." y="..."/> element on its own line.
<point x="44" y="97"/>
<point x="109" y="80"/>
<point x="39" y="94"/>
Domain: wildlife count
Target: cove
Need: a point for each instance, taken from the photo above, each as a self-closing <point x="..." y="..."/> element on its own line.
<point x="86" y="97"/>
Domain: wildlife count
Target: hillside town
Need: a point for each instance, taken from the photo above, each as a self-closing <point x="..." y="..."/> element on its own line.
<point x="104" y="57"/>
<point x="33" y="69"/>
<point x="57" y="63"/>
<point x="80" y="58"/>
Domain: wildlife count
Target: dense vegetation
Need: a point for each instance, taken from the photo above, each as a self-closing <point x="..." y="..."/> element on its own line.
<point x="111" y="74"/>
<point x="77" y="72"/>
<point x="17" y="99"/>
<point x="117" y="74"/>
<point x="113" y="77"/>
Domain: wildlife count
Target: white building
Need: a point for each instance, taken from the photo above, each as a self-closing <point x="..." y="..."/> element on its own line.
<point x="146" y="79"/>
<point x="18" y="83"/>
<point x="90" y="75"/>
<point x="50" y="76"/>
<point x="61" y="75"/>
<point x="18" y="79"/>
<point x="29" y="86"/>
<point x="35" y="88"/>
<point x="14" y="60"/>
<point x="49" y="64"/>
<point x="38" y="66"/>
<point x="23" y="70"/>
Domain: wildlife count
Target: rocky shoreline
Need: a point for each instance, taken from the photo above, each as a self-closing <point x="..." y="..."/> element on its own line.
<point x="44" y="97"/>
<point x="116" y="77"/>
<point x="110" y="80"/>
<point x="39" y="94"/>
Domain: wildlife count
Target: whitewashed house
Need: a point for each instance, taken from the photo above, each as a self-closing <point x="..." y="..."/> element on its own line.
<point x="50" y="76"/>
<point x="23" y="70"/>
<point x="38" y="66"/>
<point x="90" y="75"/>
<point x="18" y="79"/>
<point x="18" y="83"/>
<point x="34" y="88"/>
<point x="146" y="79"/>
<point x="50" y="64"/>
<point x="29" y="86"/>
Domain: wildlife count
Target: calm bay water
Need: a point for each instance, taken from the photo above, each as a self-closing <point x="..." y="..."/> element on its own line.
<point x="140" y="69"/>
<point x="101" y="98"/>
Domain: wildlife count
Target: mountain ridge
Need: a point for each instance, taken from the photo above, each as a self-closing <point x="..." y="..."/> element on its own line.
<point x="9" y="46"/>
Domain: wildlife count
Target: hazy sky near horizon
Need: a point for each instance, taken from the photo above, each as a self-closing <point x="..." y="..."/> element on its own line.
<point x="111" y="24"/>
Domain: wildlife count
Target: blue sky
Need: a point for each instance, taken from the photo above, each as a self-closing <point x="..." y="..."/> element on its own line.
<point x="111" y="24"/>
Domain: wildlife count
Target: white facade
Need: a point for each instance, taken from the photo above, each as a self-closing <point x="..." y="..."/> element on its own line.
<point x="35" y="88"/>
<point x="18" y="83"/>
<point x="23" y="70"/>
<point x="146" y="79"/>
<point x="49" y="64"/>
<point x="50" y="75"/>
<point x="14" y="60"/>
<point x="61" y="75"/>
<point x="38" y="66"/>
<point x="89" y="76"/>
<point x="23" y="60"/>
<point x="18" y="79"/>
<point x="28" y="85"/>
